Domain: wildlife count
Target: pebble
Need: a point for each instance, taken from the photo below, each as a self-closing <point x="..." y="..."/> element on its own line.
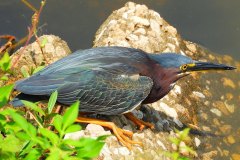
<point x="199" y="94"/>
<point x="106" y="153"/>
<point x="177" y="89"/>
<point x="226" y="129"/>
<point x="216" y="122"/>
<point x="139" y="20"/>
<point x="191" y="47"/>
<point x="123" y="151"/>
<point x="140" y="31"/>
<point x="197" y="141"/>
<point x="229" y="107"/>
<point x="161" y="144"/>
<point x="230" y="139"/>
<point x="228" y="82"/>
<point x="222" y="107"/>
<point x="235" y="156"/>
<point x="225" y="152"/>
<point x="205" y="128"/>
<point x="209" y="155"/>
<point x="216" y="111"/>
<point x="171" y="112"/>
<point x="155" y="26"/>
<point x="229" y="96"/>
<point x="96" y="130"/>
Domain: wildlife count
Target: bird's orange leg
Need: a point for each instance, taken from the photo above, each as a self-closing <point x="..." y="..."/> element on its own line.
<point x="122" y="135"/>
<point x="141" y="124"/>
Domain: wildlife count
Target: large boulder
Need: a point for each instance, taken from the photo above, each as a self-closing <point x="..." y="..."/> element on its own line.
<point x="197" y="101"/>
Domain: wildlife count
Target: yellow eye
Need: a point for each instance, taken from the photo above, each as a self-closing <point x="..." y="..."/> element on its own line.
<point x="184" y="67"/>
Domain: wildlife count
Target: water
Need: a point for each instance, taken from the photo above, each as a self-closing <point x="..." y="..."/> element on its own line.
<point x="214" y="24"/>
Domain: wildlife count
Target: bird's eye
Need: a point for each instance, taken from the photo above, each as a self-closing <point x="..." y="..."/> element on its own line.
<point x="184" y="67"/>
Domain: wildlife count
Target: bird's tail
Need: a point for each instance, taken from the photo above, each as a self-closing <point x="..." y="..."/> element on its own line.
<point x="17" y="101"/>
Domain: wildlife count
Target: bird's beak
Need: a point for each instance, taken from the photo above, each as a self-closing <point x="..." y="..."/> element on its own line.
<point x="204" y="66"/>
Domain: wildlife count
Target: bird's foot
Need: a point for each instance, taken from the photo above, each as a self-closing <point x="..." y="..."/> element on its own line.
<point x="123" y="136"/>
<point x="140" y="123"/>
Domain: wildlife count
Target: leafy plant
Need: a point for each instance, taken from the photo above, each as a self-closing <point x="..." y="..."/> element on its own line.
<point x="182" y="136"/>
<point x="5" y="92"/>
<point x="21" y="139"/>
<point x="27" y="74"/>
<point x="5" y="62"/>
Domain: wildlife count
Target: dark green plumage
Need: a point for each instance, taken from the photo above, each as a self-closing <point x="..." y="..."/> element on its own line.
<point x="101" y="80"/>
<point x="110" y="80"/>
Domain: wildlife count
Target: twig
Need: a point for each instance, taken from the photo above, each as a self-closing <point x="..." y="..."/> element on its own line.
<point x="31" y="30"/>
<point x="30" y="113"/>
<point x="29" y="5"/>
<point x="8" y="44"/>
<point x="37" y="40"/>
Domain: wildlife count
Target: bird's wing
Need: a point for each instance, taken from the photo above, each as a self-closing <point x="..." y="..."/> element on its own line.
<point x="103" y="79"/>
<point x="106" y="93"/>
<point x="114" y="60"/>
<point x="98" y="92"/>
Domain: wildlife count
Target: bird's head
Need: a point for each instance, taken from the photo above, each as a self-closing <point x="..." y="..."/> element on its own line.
<point x="185" y="64"/>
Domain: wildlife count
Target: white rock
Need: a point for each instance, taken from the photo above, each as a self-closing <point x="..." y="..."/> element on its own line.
<point x="197" y="141"/>
<point x="168" y="110"/>
<point x="139" y="20"/>
<point x="199" y="94"/>
<point x="177" y="89"/>
<point x="216" y="111"/>
<point x="115" y="151"/>
<point x="161" y="144"/>
<point x="75" y="135"/>
<point x="123" y="151"/>
<point x="96" y="130"/>
<point x="106" y="153"/>
<point x="140" y="31"/>
<point x="155" y="26"/>
<point x="132" y="37"/>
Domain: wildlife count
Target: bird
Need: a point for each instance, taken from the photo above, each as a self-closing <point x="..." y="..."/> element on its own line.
<point x="111" y="80"/>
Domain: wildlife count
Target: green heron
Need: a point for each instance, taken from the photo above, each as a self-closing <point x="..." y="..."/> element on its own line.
<point x="111" y="81"/>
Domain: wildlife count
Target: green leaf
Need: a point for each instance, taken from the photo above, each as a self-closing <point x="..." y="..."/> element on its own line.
<point x="24" y="72"/>
<point x="52" y="101"/>
<point x="91" y="148"/>
<point x="39" y="68"/>
<point x="70" y="115"/>
<point x="50" y="135"/>
<point x="34" y="153"/>
<point x="85" y="147"/>
<point x="5" y="62"/>
<point x="57" y="123"/>
<point x="44" y="42"/>
<point x="175" y="140"/>
<point x="5" y="93"/>
<point x="28" y="145"/>
<point x="23" y="136"/>
<point x="33" y="106"/>
<point x="21" y="121"/>
<point x="32" y="130"/>
<point x="102" y="138"/>
<point x="184" y="133"/>
<point x="4" y="78"/>
<point x="73" y="128"/>
<point x="10" y="143"/>
<point x="54" y="154"/>
<point x="183" y="158"/>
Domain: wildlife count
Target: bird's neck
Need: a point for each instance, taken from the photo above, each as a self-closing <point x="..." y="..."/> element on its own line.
<point x="163" y="80"/>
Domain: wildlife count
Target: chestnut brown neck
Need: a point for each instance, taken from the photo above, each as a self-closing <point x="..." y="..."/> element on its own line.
<point x="163" y="78"/>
